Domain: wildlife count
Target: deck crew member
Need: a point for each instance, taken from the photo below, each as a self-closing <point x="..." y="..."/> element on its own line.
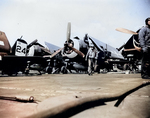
<point x="91" y="54"/>
<point x="144" y="39"/>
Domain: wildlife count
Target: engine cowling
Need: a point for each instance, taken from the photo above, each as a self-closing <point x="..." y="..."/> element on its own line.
<point x="68" y="52"/>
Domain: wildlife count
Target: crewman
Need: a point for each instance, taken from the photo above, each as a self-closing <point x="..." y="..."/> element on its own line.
<point x="144" y="39"/>
<point x="91" y="54"/>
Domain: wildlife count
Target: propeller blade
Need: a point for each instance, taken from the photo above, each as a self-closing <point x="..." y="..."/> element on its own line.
<point x="68" y="31"/>
<point x="78" y="52"/>
<point x="32" y="43"/>
<point x="126" y="31"/>
<point x="51" y="56"/>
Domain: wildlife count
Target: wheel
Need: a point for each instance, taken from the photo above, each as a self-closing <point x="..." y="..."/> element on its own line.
<point x="49" y="70"/>
<point x="126" y="67"/>
<point x="64" y="70"/>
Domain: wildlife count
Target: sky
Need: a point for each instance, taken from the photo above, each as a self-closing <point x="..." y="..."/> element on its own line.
<point x="46" y="20"/>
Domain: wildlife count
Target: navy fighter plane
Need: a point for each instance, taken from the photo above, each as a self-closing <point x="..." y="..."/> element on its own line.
<point x="75" y="50"/>
<point x="21" y="57"/>
<point x="131" y="50"/>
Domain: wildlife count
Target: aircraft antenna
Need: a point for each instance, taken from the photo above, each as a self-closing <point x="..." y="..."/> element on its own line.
<point x="21" y="37"/>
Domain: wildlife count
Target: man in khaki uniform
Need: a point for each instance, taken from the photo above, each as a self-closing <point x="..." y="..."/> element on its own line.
<point x="91" y="54"/>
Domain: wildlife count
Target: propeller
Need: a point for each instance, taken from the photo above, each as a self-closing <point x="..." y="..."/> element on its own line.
<point x="69" y="43"/>
<point x="126" y="31"/>
<point x="68" y="31"/>
<point x="68" y="46"/>
<point x="77" y="51"/>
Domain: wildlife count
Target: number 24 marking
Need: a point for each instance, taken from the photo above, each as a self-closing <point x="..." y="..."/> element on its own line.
<point x="18" y="49"/>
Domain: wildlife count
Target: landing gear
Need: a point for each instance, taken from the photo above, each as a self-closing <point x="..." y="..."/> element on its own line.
<point x="49" y="70"/>
<point x="64" y="70"/>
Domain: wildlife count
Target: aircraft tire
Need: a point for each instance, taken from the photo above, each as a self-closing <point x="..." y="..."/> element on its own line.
<point x="126" y="67"/>
<point x="64" y="70"/>
<point x="49" y="70"/>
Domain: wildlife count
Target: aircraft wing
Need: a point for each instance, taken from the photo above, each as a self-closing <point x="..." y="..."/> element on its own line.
<point x="103" y="46"/>
<point x="52" y="47"/>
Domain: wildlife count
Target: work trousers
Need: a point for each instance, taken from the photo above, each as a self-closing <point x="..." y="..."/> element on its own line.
<point x="90" y="65"/>
<point x="145" y="66"/>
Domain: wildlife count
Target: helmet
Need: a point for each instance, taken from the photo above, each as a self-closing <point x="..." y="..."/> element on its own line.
<point x="146" y="21"/>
